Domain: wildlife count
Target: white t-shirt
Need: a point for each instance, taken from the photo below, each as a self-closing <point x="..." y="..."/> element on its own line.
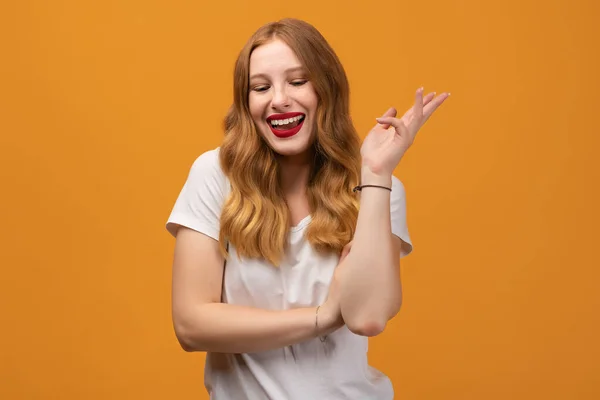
<point x="311" y="370"/>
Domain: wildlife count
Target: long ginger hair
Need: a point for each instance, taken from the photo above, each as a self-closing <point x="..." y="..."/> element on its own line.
<point x="255" y="217"/>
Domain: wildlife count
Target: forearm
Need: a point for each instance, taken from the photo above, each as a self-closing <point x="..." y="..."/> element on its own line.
<point x="228" y="328"/>
<point x="370" y="278"/>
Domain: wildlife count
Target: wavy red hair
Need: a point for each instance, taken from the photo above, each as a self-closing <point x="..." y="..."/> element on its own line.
<point x="255" y="217"/>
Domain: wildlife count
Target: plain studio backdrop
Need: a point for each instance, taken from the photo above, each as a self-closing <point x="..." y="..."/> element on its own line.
<point x="104" y="105"/>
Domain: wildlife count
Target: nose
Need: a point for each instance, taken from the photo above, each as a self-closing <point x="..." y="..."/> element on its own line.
<point x="280" y="98"/>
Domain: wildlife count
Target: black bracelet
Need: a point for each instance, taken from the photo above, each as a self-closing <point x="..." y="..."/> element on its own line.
<point x="359" y="188"/>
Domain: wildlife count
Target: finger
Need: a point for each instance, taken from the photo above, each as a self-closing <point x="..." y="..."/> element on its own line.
<point x="428" y="98"/>
<point x="433" y="105"/>
<point x="418" y="107"/>
<point x="395" y="122"/>
<point x="391" y="112"/>
<point x="408" y="114"/>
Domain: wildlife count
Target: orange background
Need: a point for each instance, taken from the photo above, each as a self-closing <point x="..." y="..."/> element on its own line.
<point x="104" y="105"/>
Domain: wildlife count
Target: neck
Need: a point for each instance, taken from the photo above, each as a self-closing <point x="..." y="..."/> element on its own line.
<point x="295" y="172"/>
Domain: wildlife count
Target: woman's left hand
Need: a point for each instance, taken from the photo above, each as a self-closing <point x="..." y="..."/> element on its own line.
<point x="384" y="146"/>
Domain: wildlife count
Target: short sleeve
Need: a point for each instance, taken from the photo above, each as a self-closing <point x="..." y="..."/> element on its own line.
<point x="398" y="216"/>
<point x="201" y="199"/>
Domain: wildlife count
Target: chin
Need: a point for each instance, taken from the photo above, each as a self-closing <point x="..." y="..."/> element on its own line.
<point x="299" y="144"/>
<point x="291" y="149"/>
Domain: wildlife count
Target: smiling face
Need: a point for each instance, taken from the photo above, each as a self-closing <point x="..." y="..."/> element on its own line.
<point x="282" y="101"/>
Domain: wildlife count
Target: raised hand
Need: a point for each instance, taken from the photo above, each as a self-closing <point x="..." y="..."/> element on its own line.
<point x="391" y="137"/>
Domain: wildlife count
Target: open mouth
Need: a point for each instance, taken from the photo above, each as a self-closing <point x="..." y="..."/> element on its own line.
<point x="286" y="127"/>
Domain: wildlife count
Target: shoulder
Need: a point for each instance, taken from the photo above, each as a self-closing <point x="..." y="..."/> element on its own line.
<point x="207" y="167"/>
<point x="208" y="161"/>
<point x="398" y="190"/>
<point x="397" y="184"/>
<point x="201" y="199"/>
<point x="398" y="200"/>
<point x="398" y="215"/>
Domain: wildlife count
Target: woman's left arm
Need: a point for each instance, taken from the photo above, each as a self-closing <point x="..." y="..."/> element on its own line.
<point x="369" y="276"/>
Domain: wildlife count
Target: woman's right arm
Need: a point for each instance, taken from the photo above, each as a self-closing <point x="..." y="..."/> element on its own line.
<point x="203" y="323"/>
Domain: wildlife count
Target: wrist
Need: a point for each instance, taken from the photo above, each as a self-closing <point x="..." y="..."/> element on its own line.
<point x="370" y="177"/>
<point x="326" y="320"/>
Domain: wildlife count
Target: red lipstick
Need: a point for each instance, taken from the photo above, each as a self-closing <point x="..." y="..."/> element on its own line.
<point x="288" y="132"/>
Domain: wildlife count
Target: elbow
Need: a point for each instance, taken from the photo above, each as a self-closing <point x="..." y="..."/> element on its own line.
<point x="368" y="327"/>
<point x="366" y="324"/>
<point x="372" y="325"/>
<point x="188" y="342"/>
<point x="186" y="345"/>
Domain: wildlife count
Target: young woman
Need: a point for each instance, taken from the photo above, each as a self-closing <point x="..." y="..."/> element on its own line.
<point x="278" y="273"/>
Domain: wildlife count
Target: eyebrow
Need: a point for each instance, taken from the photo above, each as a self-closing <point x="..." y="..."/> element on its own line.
<point x="287" y="71"/>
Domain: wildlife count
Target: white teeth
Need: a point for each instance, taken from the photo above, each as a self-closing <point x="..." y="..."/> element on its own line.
<point x="276" y="122"/>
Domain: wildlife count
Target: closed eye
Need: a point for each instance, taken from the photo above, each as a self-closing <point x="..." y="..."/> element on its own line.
<point x="299" y="82"/>
<point x="260" y="88"/>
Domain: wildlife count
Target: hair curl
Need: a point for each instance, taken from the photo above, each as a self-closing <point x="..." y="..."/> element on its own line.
<point x="255" y="217"/>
